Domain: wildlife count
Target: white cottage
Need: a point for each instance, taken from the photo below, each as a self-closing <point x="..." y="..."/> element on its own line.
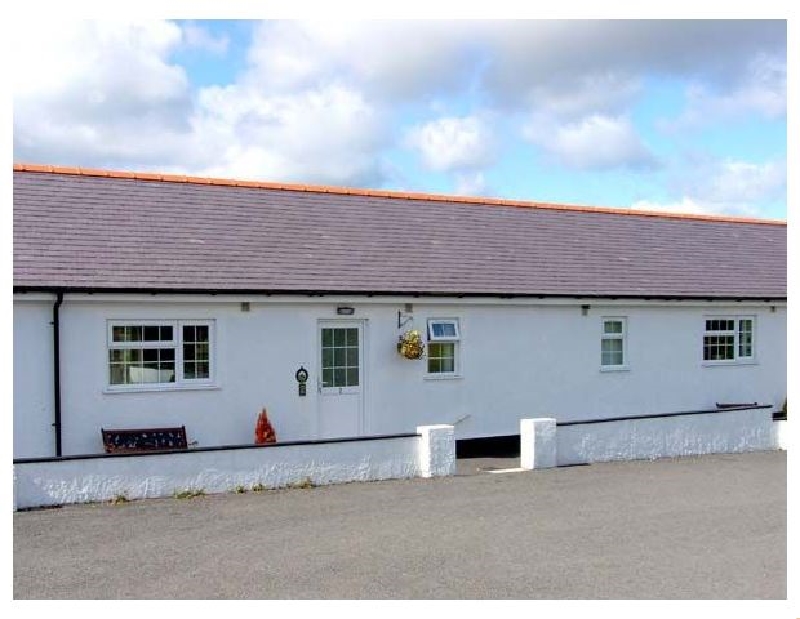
<point x="148" y="300"/>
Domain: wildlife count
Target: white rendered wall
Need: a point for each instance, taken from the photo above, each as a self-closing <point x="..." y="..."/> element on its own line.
<point x="161" y="475"/>
<point x="516" y="361"/>
<point x="666" y="437"/>
<point x="33" y="380"/>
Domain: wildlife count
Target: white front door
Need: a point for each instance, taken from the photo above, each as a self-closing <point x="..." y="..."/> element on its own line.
<point x="341" y="378"/>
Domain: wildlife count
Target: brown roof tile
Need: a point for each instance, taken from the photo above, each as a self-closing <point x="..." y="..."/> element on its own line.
<point x="83" y="228"/>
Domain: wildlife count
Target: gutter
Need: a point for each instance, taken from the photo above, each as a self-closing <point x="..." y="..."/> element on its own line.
<point x="388" y="293"/>
<point x="57" y="372"/>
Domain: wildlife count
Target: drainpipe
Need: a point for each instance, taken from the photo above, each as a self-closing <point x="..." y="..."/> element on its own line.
<point x="57" y="374"/>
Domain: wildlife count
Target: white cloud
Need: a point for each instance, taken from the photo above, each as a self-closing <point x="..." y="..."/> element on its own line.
<point x="107" y="94"/>
<point x="329" y="135"/>
<point x="471" y="184"/>
<point x="732" y="181"/>
<point x="595" y="142"/>
<point x="318" y="101"/>
<point x="761" y="91"/>
<point x="684" y="205"/>
<point x="725" y="187"/>
<point x="453" y="143"/>
<point x="99" y="92"/>
<point x="194" y="35"/>
<point x="385" y="58"/>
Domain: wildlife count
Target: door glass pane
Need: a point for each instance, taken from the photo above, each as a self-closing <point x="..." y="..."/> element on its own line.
<point x="339" y="377"/>
<point x="340" y="357"/>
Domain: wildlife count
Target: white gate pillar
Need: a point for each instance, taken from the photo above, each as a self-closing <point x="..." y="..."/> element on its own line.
<point x="437" y="450"/>
<point x="537" y="443"/>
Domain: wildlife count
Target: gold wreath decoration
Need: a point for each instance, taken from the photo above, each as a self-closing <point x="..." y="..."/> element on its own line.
<point x="410" y="345"/>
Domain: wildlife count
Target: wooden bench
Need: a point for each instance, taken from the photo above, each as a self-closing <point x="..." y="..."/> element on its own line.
<point x="137" y="440"/>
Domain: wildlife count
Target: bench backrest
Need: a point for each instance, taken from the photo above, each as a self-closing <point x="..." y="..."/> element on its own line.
<point x="143" y="439"/>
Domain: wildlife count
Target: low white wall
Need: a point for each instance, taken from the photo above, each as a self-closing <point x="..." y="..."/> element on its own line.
<point x="643" y="439"/>
<point x="80" y="480"/>
<point x="781" y="434"/>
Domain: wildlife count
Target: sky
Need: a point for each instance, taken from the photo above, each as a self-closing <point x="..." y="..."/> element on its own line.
<point x="683" y="116"/>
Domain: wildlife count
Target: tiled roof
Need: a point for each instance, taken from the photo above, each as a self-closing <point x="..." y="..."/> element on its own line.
<point x="95" y="229"/>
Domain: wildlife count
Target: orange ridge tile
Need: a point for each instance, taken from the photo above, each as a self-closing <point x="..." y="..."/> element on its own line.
<point x="383" y="193"/>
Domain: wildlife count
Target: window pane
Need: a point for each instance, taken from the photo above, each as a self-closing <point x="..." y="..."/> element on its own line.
<point x="434" y="365"/>
<point x="327" y="338"/>
<point x="339" y="338"/>
<point x="201" y="352"/>
<point x="443" y="329"/>
<point x="167" y="372"/>
<point x="188" y="333"/>
<point x="611" y="351"/>
<point x="448" y="364"/>
<point x="746" y="345"/>
<point x="116" y="374"/>
<point x="201" y="333"/>
<point x="189" y="370"/>
<point x="448" y="349"/>
<point x="132" y="355"/>
<point x="118" y="334"/>
<point x="166" y="333"/>
<point x="327" y="377"/>
<point x="718" y="348"/>
<point x="202" y="370"/>
<point x="115" y="355"/>
<point x="327" y="357"/>
<point x="352" y="377"/>
<point x="339" y="377"/>
<point x="352" y="357"/>
<point x="133" y="334"/>
<point x="150" y="355"/>
<point x="612" y="326"/>
<point x="188" y="352"/>
<point x="151" y="334"/>
<point x="352" y="337"/>
<point x="166" y="354"/>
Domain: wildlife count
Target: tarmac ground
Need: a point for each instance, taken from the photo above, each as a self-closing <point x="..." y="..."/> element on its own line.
<point x="688" y="528"/>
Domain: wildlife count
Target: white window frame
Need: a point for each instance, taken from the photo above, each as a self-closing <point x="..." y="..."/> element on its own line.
<point x="455" y="340"/>
<point x="176" y="344"/>
<point x="737" y="358"/>
<point x="443" y="338"/>
<point x="614" y="336"/>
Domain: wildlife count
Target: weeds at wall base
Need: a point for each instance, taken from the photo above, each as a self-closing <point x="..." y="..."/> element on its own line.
<point x="188" y="494"/>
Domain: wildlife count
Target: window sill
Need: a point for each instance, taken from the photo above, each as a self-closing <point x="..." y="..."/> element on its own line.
<point x="160" y="389"/>
<point x="615" y="368"/>
<point x="442" y="377"/>
<point x="721" y="364"/>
